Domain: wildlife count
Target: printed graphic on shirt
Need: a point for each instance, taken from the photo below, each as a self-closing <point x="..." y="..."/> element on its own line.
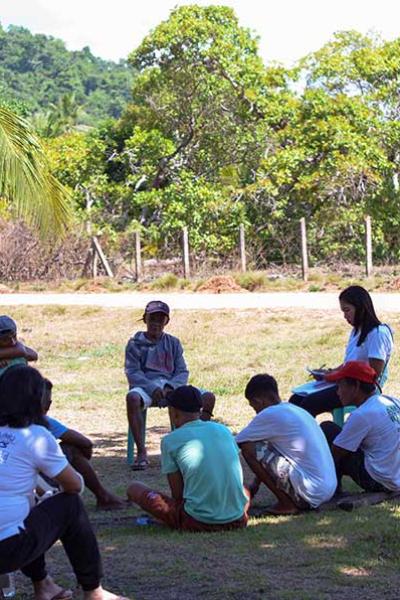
<point x="5" y="440"/>
<point x="394" y="413"/>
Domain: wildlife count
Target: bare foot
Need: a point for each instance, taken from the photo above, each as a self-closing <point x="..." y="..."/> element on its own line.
<point x="102" y="594"/>
<point x="47" y="589"/>
<point x="111" y="502"/>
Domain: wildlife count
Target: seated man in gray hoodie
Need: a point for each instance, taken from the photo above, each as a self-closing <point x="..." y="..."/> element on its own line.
<point x="154" y="366"/>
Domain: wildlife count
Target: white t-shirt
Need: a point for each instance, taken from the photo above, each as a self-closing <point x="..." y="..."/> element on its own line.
<point x="295" y="434"/>
<point x="23" y="453"/>
<point x="374" y="427"/>
<point x="378" y="344"/>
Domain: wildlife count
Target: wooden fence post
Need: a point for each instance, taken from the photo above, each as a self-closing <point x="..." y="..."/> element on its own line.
<point x="95" y="262"/>
<point x="242" y="248"/>
<point x="368" y="246"/>
<point x="185" y="246"/>
<point x="304" y="257"/>
<point x="102" y="256"/>
<point x="138" y="256"/>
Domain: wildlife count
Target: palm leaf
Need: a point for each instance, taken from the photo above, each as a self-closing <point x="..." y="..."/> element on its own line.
<point x="25" y="178"/>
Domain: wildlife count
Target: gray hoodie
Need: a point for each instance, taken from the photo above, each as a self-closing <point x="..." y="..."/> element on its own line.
<point x="146" y="362"/>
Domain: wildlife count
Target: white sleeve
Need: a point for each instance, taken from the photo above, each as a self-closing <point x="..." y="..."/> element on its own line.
<point x="46" y="454"/>
<point x="260" y="428"/>
<point x="380" y="343"/>
<point x="349" y="346"/>
<point x="354" y="431"/>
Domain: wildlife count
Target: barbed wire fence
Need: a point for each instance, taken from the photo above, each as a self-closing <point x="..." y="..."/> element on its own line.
<point x="24" y="258"/>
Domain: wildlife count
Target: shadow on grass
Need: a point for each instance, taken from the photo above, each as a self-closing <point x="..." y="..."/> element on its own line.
<point x="317" y="556"/>
<point x="311" y="556"/>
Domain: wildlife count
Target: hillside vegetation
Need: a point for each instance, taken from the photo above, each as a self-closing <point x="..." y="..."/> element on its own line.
<point x="38" y="70"/>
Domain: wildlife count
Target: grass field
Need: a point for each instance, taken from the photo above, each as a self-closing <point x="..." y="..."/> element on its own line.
<point x="351" y="556"/>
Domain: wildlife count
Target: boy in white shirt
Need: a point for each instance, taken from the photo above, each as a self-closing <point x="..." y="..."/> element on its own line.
<point x="286" y="449"/>
<point x="367" y="449"/>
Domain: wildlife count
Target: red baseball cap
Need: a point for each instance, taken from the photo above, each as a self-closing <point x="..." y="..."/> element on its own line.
<point x="354" y="369"/>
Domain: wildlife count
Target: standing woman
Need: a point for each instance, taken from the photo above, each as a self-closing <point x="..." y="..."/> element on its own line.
<point x="27" y="530"/>
<point x="370" y="341"/>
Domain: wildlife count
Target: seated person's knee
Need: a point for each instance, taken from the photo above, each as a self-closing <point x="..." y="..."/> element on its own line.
<point x="135" y="490"/>
<point x="133" y="401"/>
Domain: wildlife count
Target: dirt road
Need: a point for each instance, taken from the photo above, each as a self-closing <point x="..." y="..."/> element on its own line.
<point x="200" y="301"/>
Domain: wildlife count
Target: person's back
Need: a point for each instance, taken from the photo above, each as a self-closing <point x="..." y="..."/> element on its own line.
<point x="295" y="434"/>
<point x="22" y="452"/>
<point x="375" y="428"/>
<point x="207" y="456"/>
<point x="299" y="437"/>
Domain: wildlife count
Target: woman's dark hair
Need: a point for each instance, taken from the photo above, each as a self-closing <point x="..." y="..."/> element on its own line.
<point x="21" y="392"/>
<point x="260" y="384"/>
<point x="365" y="317"/>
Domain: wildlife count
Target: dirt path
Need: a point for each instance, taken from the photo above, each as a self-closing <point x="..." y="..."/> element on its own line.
<point x="186" y="301"/>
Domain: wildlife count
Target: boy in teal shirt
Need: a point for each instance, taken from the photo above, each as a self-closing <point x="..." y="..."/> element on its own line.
<point x="201" y="461"/>
<point x="12" y="351"/>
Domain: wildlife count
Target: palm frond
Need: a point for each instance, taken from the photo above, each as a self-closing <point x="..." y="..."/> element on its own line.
<point x="25" y="178"/>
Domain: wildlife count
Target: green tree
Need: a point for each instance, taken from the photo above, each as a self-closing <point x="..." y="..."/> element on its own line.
<point x="201" y="83"/>
<point x="366" y="70"/>
<point x="62" y="117"/>
<point x="39" y="71"/>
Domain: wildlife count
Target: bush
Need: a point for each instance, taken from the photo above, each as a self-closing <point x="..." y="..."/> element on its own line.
<point x="165" y="282"/>
<point x="251" y="280"/>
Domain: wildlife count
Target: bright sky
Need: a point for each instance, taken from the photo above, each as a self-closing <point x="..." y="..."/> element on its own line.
<point x="288" y="29"/>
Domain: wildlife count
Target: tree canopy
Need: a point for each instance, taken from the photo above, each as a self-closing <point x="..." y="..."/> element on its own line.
<point x="38" y="71"/>
<point x="210" y="137"/>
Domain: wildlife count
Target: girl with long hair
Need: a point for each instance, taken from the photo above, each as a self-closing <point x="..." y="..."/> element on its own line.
<point x="370" y="341"/>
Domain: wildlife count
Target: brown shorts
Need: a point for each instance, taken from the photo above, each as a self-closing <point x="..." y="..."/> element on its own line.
<point x="172" y="513"/>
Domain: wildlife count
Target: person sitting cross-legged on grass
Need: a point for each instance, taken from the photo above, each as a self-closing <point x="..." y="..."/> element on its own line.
<point x="201" y="461"/>
<point x="286" y="449"/>
<point x="78" y="450"/>
<point x="12" y="351"/>
<point x="154" y="366"/>
<point x="367" y="449"/>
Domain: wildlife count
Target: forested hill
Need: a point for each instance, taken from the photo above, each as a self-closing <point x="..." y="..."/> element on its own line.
<point x="38" y="71"/>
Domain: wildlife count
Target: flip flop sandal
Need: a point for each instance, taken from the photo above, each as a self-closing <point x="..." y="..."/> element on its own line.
<point x="140" y="465"/>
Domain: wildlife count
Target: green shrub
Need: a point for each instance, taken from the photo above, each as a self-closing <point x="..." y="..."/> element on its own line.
<point x="165" y="282"/>
<point x="251" y="280"/>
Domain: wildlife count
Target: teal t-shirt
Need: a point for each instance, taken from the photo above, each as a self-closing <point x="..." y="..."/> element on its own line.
<point x="12" y="362"/>
<point x="207" y="456"/>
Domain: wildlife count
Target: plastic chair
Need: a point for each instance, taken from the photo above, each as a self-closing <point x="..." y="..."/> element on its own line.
<point x="130" y="447"/>
<point x="339" y="414"/>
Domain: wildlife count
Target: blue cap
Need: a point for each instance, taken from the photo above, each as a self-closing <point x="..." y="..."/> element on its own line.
<point x="7" y="326"/>
<point x="156" y="306"/>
